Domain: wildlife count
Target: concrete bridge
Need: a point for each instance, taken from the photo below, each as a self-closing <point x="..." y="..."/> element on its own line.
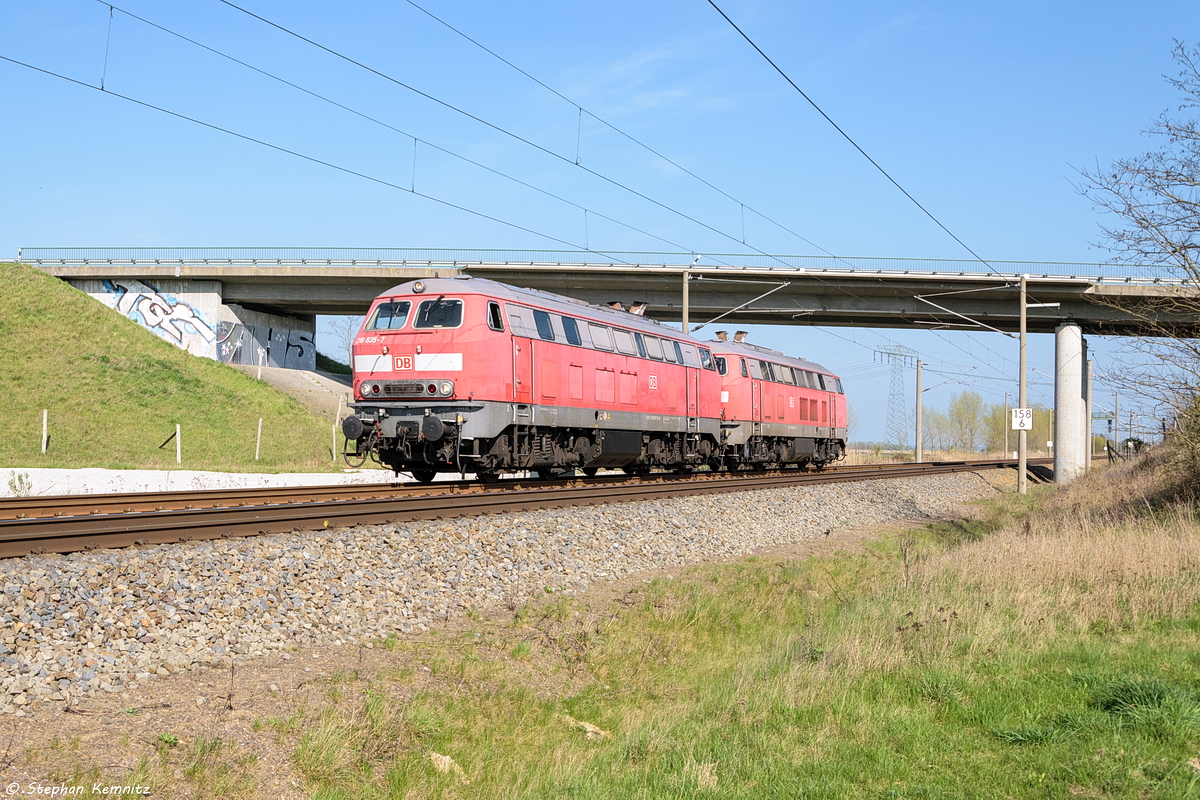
<point x="770" y="290"/>
<point x="258" y="305"/>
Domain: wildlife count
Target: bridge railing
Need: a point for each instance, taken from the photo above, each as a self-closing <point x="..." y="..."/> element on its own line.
<point x="430" y="257"/>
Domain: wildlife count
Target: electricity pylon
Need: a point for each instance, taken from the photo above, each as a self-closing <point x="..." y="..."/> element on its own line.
<point x="899" y="356"/>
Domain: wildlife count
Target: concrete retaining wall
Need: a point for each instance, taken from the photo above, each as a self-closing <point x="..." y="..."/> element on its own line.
<point x="192" y="315"/>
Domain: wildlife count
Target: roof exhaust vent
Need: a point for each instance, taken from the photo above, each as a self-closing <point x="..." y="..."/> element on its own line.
<point x="740" y="336"/>
<point x="616" y="305"/>
<point x="722" y="336"/>
<point x="639" y="309"/>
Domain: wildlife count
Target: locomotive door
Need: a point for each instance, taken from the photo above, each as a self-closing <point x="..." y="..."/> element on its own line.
<point x="522" y="369"/>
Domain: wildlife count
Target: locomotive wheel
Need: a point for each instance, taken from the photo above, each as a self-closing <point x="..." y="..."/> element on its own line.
<point x="424" y="475"/>
<point x="545" y="473"/>
<point x="590" y="471"/>
<point x="639" y="470"/>
<point x="487" y="477"/>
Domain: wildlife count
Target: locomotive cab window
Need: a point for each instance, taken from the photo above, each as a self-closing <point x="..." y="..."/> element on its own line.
<point x="494" y="318"/>
<point x="838" y="383"/>
<point x="439" y="313"/>
<point x="721" y="367"/>
<point x="571" y="329"/>
<point x="544" y="328"/>
<point x="745" y="372"/>
<point x="679" y="353"/>
<point x="706" y="359"/>
<point x="389" y="316"/>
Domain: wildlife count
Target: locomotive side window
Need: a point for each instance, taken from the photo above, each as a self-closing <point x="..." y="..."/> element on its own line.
<point x="439" y="313"/>
<point x="821" y="378"/>
<point x="706" y="359"/>
<point x="678" y="352"/>
<point x="654" y="348"/>
<point x="745" y="372"/>
<point x="812" y="380"/>
<point x="765" y="370"/>
<point x="721" y="367"/>
<point x="389" y="316"/>
<point x="625" y="342"/>
<point x="495" y="320"/>
<point x="640" y="341"/>
<point x="601" y="336"/>
<point x="668" y="351"/>
<point x="785" y="374"/>
<point x="571" y="329"/>
<point x="544" y="328"/>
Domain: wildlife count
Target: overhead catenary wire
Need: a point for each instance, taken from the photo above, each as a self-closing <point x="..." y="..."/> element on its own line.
<point x="504" y="131"/>
<point x="383" y="124"/>
<point x="312" y="159"/>
<point x="499" y="129"/>
<point x="744" y="207"/>
<point x="848" y="138"/>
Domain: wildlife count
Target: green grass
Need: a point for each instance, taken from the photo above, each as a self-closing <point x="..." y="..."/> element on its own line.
<point x="332" y="366"/>
<point x="115" y="392"/>
<point x="959" y="661"/>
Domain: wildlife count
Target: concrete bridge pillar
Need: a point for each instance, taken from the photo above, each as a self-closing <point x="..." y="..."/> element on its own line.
<point x="1070" y="428"/>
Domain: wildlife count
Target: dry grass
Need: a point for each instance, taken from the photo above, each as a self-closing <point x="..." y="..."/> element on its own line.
<point x="1046" y="650"/>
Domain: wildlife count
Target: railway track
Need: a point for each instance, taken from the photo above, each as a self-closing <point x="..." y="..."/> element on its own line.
<point x="82" y="522"/>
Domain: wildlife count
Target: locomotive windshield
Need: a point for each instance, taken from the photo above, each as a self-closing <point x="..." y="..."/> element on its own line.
<point x="389" y="316"/>
<point x="439" y="313"/>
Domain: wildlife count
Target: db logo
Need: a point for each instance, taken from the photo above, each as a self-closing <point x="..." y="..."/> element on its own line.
<point x="404" y="363"/>
<point x="653" y="383"/>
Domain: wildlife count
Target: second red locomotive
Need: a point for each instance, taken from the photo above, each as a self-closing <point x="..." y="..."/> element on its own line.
<point x="468" y="375"/>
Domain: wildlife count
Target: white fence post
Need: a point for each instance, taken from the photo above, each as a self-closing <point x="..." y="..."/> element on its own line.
<point x="45" y="429"/>
<point x="258" y="441"/>
<point x="333" y="431"/>
<point x="178" y="446"/>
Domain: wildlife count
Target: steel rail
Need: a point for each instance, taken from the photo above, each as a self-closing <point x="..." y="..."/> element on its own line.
<point x="129" y="502"/>
<point x="63" y="534"/>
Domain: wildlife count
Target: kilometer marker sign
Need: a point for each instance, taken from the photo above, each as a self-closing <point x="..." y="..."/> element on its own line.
<point x="1022" y="419"/>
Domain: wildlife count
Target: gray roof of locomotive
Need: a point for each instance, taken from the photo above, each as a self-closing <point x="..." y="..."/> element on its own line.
<point x="544" y="300"/>
<point x="765" y="354"/>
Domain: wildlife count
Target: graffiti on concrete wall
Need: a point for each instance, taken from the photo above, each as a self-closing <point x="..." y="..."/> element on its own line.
<point x="271" y="346"/>
<point x="163" y="314"/>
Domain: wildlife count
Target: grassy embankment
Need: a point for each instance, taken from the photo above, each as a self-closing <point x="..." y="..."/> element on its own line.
<point x="1051" y="650"/>
<point x="115" y="392"/>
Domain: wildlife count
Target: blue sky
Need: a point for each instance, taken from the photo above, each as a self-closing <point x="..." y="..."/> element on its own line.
<point x="982" y="111"/>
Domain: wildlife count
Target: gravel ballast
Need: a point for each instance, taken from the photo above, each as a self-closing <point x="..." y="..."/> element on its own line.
<point x="75" y="625"/>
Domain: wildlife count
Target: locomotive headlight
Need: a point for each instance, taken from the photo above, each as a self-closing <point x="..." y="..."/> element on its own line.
<point x="374" y="388"/>
<point x="447" y="388"/>
<point x="419" y="287"/>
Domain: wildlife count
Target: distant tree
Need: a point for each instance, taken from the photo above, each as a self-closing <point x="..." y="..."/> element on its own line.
<point x="343" y="330"/>
<point x="1152" y="205"/>
<point x="966" y="417"/>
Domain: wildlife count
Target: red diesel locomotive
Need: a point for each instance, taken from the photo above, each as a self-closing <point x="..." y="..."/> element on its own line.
<point x="468" y="375"/>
